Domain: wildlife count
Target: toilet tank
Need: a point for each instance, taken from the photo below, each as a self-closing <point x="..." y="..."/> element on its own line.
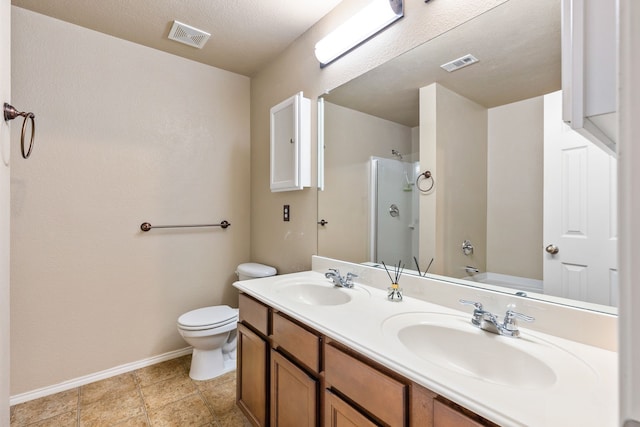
<point x="252" y="270"/>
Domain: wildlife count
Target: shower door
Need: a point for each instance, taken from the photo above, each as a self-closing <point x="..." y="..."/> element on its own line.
<point x="394" y="211"/>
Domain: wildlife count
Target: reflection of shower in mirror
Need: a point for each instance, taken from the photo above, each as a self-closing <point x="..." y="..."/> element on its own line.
<point x="393" y="236"/>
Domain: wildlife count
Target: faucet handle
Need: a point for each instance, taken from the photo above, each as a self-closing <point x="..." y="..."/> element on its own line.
<point x="478" y="311"/>
<point x="477" y="305"/>
<point x="349" y="279"/>
<point x="510" y="317"/>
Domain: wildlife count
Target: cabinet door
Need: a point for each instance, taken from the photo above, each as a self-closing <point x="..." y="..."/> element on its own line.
<point x="252" y="376"/>
<point x="294" y="394"/>
<point x="290" y="144"/>
<point x="338" y="413"/>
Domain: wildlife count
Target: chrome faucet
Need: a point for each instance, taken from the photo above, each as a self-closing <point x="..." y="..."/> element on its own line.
<point x="488" y="321"/>
<point x="338" y="280"/>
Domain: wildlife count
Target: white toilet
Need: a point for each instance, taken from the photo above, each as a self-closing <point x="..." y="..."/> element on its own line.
<point x="211" y="331"/>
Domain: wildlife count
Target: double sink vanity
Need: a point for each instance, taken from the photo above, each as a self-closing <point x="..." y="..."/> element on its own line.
<point x="312" y="353"/>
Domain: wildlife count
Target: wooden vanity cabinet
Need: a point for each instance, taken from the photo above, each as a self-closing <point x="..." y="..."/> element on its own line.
<point x="290" y="375"/>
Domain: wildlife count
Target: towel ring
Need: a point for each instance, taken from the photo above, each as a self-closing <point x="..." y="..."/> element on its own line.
<point x="11" y="113"/>
<point x="425" y="175"/>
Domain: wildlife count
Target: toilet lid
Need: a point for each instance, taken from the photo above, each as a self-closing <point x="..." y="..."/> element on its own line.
<point x="208" y="317"/>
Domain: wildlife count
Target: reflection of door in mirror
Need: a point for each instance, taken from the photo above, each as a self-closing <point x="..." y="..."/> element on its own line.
<point x="580" y="220"/>
<point x="349" y="142"/>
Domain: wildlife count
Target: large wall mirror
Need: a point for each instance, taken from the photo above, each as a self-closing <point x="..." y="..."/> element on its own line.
<point x="471" y="174"/>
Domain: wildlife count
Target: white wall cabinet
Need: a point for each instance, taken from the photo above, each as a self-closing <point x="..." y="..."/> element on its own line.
<point x="590" y="69"/>
<point x="291" y="144"/>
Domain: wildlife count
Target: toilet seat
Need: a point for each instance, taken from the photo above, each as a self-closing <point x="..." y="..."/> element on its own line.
<point x="208" y="318"/>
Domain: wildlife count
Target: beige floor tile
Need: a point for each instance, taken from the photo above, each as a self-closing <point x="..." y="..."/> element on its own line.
<point x="160" y="394"/>
<point x="160" y="372"/>
<point x="108" y="388"/>
<point x="44" y="408"/>
<point x="68" y="419"/>
<point x="186" y="361"/>
<point x="229" y="376"/>
<point x="190" y="411"/>
<point x="221" y="397"/>
<point x="234" y="418"/>
<point x="112" y="411"/>
<point x="139" y="421"/>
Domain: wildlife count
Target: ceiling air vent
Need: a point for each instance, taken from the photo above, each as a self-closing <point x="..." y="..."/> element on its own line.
<point x="456" y="64"/>
<point x="188" y="35"/>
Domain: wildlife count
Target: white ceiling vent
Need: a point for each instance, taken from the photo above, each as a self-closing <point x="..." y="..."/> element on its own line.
<point x="188" y="35"/>
<point x="456" y="64"/>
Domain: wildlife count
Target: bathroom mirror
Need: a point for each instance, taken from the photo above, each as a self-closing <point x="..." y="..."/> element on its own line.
<point x="372" y="125"/>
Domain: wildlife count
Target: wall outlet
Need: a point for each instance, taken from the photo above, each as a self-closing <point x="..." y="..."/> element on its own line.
<point x="286" y="213"/>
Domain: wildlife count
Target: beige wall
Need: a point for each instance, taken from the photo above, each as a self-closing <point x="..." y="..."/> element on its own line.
<point x="515" y="189"/>
<point x="453" y="146"/>
<point x="289" y="245"/>
<point x="5" y="96"/>
<point x="351" y="138"/>
<point x="126" y="134"/>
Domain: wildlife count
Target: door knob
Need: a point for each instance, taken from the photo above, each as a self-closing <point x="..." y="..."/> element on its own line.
<point x="552" y="249"/>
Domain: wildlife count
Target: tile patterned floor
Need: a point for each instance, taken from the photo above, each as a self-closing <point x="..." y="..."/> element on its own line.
<point x="158" y="395"/>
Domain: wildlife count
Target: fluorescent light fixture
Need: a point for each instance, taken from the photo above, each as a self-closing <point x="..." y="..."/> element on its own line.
<point x="376" y="16"/>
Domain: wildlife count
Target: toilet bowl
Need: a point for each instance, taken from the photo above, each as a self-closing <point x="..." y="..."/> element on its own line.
<point x="212" y="333"/>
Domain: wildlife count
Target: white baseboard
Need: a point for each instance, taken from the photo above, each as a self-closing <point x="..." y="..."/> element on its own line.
<point x="112" y="372"/>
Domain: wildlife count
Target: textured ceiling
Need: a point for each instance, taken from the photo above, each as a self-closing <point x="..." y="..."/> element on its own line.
<point x="517" y="43"/>
<point x="245" y="34"/>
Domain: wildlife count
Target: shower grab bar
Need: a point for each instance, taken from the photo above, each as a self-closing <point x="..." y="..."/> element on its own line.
<point x="145" y="226"/>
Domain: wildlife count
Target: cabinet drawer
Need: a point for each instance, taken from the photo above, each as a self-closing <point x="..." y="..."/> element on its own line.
<point x="254" y="313"/>
<point x="357" y="380"/>
<point x="446" y="416"/>
<point x="297" y="341"/>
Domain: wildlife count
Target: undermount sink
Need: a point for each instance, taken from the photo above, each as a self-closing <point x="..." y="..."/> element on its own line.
<point x="317" y="293"/>
<point x="451" y="342"/>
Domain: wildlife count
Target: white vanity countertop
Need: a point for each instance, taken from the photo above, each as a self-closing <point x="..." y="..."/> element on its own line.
<point x="581" y="390"/>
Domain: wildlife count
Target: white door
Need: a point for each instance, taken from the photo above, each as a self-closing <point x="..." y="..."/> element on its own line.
<point x="580" y="200"/>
